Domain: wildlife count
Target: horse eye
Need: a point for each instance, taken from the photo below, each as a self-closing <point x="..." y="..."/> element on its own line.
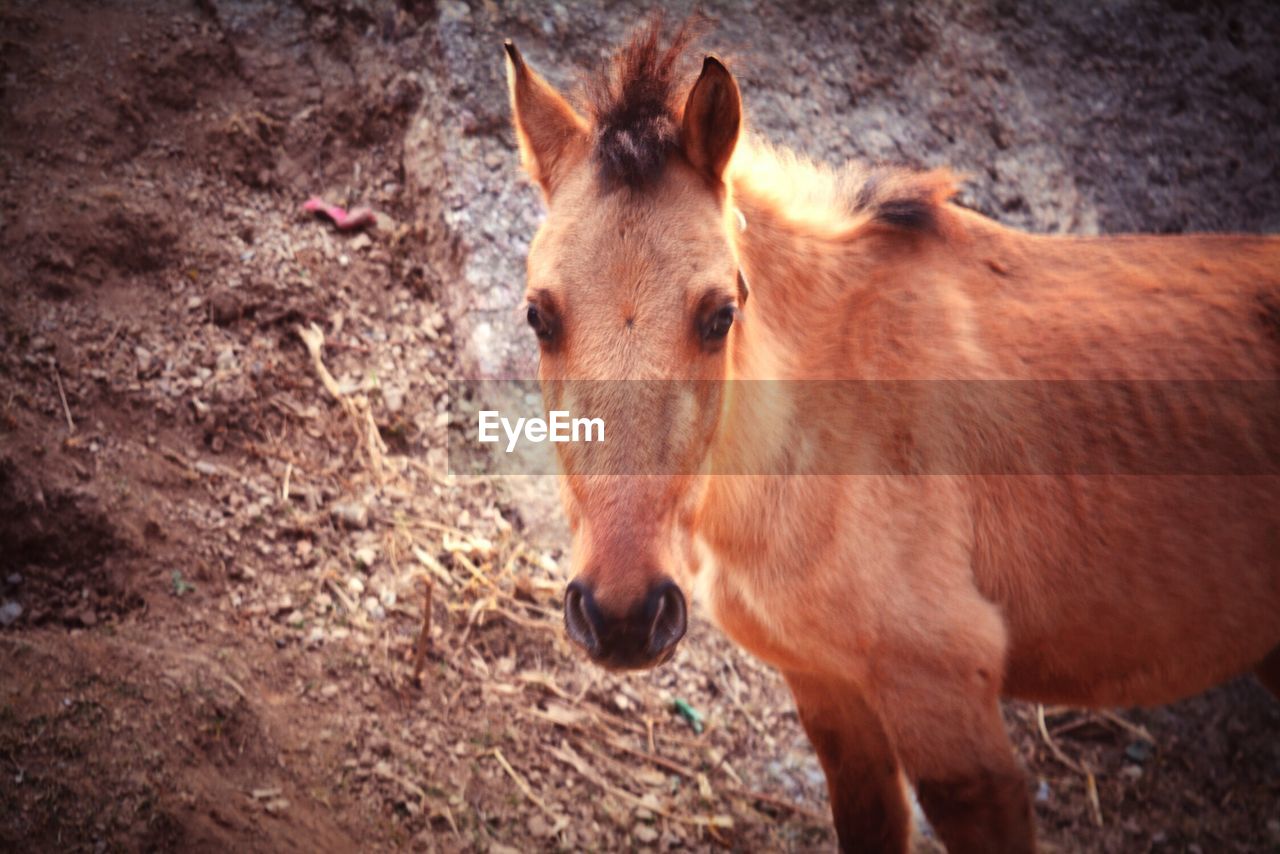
<point x="718" y="325"/>
<point x="539" y="324"/>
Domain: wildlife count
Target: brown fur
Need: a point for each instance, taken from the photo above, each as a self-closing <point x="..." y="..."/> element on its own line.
<point x="900" y="608"/>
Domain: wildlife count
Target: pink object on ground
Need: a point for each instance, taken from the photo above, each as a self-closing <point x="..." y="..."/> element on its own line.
<point x="344" y="220"/>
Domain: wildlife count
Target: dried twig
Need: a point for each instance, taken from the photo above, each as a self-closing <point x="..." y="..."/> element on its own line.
<point x="426" y="559"/>
<point x="357" y="410"/>
<point x="1090" y="783"/>
<point x="558" y="822"/>
<point x="340" y="595"/>
<point x="1136" y="730"/>
<point x="683" y="770"/>
<point x="313" y="337"/>
<point x="424" y="636"/>
<point x="1053" y="745"/>
<point x="567" y="755"/>
<point x="62" y="395"/>
<point x="1091" y="789"/>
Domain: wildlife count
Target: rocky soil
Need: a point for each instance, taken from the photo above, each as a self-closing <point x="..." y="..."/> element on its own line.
<point x="243" y="603"/>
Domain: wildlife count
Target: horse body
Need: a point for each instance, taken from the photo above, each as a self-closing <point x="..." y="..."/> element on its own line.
<point x="1131" y="568"/>
<point x="955" y="461"/>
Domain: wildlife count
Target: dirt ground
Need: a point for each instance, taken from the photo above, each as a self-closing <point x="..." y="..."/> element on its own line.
<point x="214" y="566"/>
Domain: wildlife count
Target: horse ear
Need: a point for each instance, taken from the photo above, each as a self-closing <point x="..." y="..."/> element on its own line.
<point x="712" y="119"/>
<point x="548" y="129"/>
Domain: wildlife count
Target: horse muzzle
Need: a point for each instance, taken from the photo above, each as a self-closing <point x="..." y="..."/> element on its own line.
<point x="644" y="637"/>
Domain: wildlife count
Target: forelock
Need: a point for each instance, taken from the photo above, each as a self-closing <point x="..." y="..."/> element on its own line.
<point x="634" y="105"/>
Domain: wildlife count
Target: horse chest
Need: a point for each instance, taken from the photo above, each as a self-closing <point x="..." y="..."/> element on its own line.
<point x="739" y="605"/>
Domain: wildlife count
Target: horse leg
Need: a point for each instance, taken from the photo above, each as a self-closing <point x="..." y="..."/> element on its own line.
<point x="1268" y="672"/>
<point x="942" y="709"/>
<point x="867" y="799"/>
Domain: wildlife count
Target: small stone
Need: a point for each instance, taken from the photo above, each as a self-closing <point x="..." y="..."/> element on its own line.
<point x="1139" y="751"/>
<point x="374" y="608"/>
<point x="393" y="399"/>
<point x="365" y="557"/>
<point x="355" y="586"/>
<point x="621" y="703"/>
<point x="360" y="243"/>
<point x="14" y="579"/>
<point x="225" y="308"/>
<point x="241" y="572"/>
<point x="315" y="637"/>
<point x="344" y="260"/>
<point x="351" y="515"/>
<point x="645" y="834"/>
<point x="329" y="691"/>
<point x="9" y="613"/>
<point x="146" y="361"/>
<point x="276" y="806"/>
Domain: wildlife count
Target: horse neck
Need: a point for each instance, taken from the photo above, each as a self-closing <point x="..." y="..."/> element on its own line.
<point x="798" y="272"/>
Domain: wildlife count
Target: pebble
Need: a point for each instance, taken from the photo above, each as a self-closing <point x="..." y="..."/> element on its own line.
<point x="145" y="360"/>
<point x="360" y="243"/>
<point x="329" y="691"/>
<point x="276" y="806"/>
<point x="225" y="307"/>
<point x="374" y="608"/>
<point x="365" y="557"/>
<point x="9" y="613"/>
<point x="393" y="399"/>
<point x="645" y="834"/>
<point x="355" y="586"/>
<point x="14" y="579"/>
<point x="351" y="515"/>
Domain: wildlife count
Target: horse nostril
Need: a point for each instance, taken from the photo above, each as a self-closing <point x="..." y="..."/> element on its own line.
<point x="669" y="621"/>
<point x="578" y="608"/>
